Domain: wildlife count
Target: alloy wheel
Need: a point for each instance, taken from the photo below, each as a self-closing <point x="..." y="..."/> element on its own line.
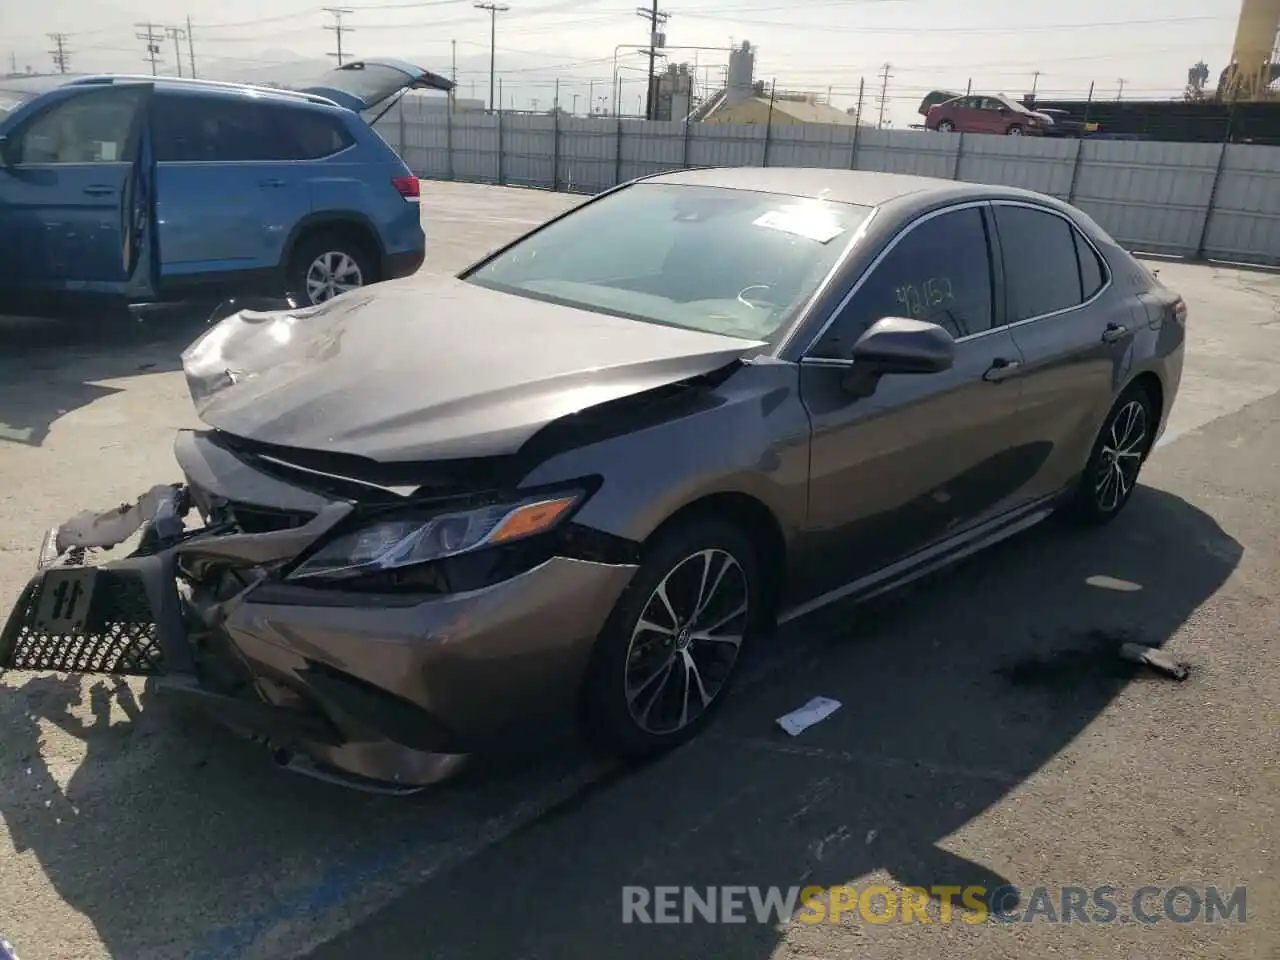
<point x="332" y="273"/>
<point x="1015" y="131"/>
<point x="1121" y="456"/>
<point x="686" y="640"/>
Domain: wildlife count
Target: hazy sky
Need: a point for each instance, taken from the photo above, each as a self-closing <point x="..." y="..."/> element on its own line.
<point x="817" y="45"/>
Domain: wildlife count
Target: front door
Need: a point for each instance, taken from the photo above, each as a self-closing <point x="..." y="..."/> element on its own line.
<point x="75" y="197"/>
<point x="925" y="455"/>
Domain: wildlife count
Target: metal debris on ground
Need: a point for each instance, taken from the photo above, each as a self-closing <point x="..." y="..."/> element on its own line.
<point x="815" y="711"/>
<point x="1156" y="659"/>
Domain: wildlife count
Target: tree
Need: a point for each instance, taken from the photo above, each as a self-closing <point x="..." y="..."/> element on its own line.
<point x="1197" y="77"/>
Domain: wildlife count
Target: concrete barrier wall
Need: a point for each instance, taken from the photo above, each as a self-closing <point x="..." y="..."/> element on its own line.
<point x="1217" y="201"/>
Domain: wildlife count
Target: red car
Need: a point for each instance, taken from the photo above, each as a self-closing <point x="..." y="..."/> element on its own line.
<point x="984" y="113"/>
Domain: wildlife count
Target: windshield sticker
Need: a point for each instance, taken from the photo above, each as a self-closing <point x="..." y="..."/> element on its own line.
<point x="816" y="225"/>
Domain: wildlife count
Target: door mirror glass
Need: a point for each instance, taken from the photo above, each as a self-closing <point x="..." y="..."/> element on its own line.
<point x="902" y="345"/>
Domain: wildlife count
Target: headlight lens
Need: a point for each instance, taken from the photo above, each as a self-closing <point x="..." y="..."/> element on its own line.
<point x="403" y="542"/>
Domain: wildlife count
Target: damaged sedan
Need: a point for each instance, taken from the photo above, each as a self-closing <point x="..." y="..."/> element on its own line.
<point x="568" y="487"/>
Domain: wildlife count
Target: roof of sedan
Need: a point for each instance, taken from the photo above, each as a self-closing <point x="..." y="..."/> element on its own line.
<point x="863" y="187"/>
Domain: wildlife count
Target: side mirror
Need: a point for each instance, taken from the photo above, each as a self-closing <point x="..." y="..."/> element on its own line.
<point x="899" y="345"/>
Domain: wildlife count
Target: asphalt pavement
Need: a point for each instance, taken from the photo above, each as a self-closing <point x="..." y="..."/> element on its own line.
<point x="988" y="737"/>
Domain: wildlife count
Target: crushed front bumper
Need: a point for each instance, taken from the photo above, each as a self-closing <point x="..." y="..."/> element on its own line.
<point x="378" y="693"/>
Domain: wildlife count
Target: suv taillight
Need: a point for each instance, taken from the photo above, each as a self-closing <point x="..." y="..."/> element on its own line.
<point x="407" y="187"/>
<point x="1180" y="311"/>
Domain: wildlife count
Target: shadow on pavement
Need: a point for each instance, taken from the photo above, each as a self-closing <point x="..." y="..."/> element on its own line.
<point x="50" y="367"/>
<point x="954" y="694"/>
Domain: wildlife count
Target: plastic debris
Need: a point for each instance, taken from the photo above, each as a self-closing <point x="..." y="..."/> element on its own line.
<point x="815" y="711"/>
<point x="1156" y="659"/>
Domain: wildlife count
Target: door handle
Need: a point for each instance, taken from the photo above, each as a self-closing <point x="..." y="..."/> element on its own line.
<point x="99" y="190"/>
<point x="271" y="182"/>
<point x="1000" y="369"/>
<point x="1113" y="332"/>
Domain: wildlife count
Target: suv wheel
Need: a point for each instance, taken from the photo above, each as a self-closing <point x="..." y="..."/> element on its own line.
<point x="1117" y="457"/>
<point x="946" y="126"/>
<point x="670" y="650"/>
<point x="326" y="265"/>
<point x="1015" y="131"/>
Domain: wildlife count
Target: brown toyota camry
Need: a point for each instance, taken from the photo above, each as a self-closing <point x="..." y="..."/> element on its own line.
<point x="572" y="483"/>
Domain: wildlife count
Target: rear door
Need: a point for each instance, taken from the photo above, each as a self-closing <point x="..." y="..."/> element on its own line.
<point x="925" y="455"/>
<point x="232" y="181"/>
<point x="1074" y="332"/>
<point x="76" y="196"/>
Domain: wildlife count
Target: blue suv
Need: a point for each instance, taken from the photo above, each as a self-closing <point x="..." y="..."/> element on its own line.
<point x="138" y="189"/>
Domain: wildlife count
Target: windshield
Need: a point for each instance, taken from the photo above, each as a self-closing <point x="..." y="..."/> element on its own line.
<point x="732" y="262"/>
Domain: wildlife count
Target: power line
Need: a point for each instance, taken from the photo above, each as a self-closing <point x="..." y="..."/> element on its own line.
<point x="657" y="39"/>
<point x="493" y="9"/>
<point x="338" y="28"/>
<point x="153" y="41"/>
<point x="61" y="55"/>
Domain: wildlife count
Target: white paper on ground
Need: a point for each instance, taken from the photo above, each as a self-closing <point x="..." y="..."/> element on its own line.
<point x="815" y="711"/>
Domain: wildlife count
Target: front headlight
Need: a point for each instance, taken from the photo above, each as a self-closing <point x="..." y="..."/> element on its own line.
<point x="402" y="542"/>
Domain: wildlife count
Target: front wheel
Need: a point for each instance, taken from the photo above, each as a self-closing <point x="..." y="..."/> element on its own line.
<point x="670" y="650"/>
<point x="1118" y="454"/>
<point x="1015" y="131"/>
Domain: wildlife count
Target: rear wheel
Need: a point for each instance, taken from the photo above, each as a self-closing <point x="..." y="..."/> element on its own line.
<point x="946" y="126"/>
<point x="671" y="648"/>
<point x="1015" y="131"/>
<point x="1118" y="454"/>
<point x="327" y="264"/>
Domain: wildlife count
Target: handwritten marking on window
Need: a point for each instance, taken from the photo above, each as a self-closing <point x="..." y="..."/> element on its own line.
<point x="918" y="301"/>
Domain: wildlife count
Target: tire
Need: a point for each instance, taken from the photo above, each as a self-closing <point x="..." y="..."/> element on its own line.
<point x="946" y="126"/>
<point x="1108" y="482"/>
<point x="633" y="690"/>
<point x="1014" y="131"/>
<point x="328" y="263"/>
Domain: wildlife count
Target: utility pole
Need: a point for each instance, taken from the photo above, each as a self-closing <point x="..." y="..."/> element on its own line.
<point x="555" y="106"/>
<point x="453" y="74"/>
<point x="191" y="47"/>
<point x="153" y="40"/>
<point x="493" y="9"/>
<point x="61" y="55"/>
<point x="1035" y="82"/>
<point x="885" y="77"/>
<point x="338" y="29"/>
<point x="177" y="33"/>
<point x="1120" y="92"/>
<point x="657" y="39"/>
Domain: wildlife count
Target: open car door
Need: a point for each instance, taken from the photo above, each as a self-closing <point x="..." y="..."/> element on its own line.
<point x="364" y="85"/>
<point x="76" y="199"/>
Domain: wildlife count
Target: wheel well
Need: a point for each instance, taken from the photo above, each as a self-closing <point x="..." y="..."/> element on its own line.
<point x="754" y="519"/>
<point x="1154" y="389"/>
<point x="351" y="230"/>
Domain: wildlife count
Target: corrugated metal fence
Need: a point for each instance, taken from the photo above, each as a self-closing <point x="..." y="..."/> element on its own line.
<point x="1216" y="201"/>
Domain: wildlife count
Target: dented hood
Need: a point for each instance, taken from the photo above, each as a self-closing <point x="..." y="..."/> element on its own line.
<point x="435" y="368"/>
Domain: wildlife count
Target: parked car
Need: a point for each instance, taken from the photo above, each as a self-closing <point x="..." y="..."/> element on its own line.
<point x="986" y="114"/>
<point x="140" y="189"/>
<point x="593" y="467"/>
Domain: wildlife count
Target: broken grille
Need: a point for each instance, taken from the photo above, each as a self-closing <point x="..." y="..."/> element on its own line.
<point x="118" y="634"/>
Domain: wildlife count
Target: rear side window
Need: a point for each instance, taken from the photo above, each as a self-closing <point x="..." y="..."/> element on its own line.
<point x="233" y="130"/>
<point x="940" y="272"/>
<point x="1092" y="273"/>
<point x="1041" y="269"/>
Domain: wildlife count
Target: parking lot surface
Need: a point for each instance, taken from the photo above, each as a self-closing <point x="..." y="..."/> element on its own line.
<point x="988" y="734"/>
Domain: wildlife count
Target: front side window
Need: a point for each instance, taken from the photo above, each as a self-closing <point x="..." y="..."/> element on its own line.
<point x="1041" y="269"/>
<point x="94" y="127"/>
<point x="940" y="271"/>
<point x="733" y="262"/>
